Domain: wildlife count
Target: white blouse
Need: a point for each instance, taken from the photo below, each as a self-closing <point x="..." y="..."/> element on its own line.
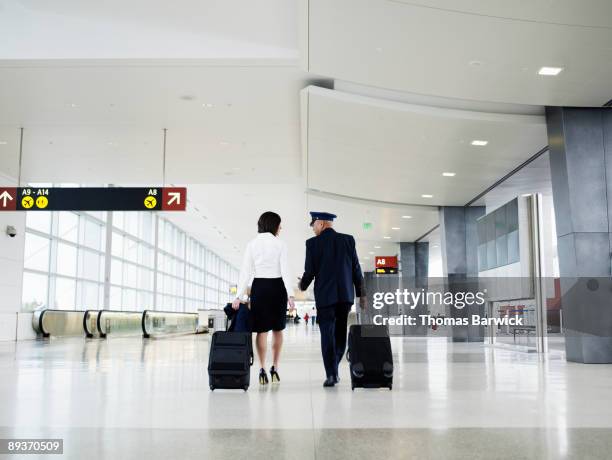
<point x="265" y="257"/>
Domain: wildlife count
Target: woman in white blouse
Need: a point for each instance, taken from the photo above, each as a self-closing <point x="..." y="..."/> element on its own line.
<point x="265" y="260"/>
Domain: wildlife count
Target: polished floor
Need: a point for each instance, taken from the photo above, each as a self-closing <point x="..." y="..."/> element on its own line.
<point x="128" y="398"/>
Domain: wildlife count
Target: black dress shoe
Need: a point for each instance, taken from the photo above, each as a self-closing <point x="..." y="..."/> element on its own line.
<point x="329" y="382"/>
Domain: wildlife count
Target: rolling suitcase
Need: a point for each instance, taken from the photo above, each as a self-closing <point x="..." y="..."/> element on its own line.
<point x="230" y="360"/>
<point x="370" y="358"/>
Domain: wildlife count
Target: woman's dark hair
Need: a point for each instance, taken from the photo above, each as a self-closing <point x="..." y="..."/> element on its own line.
<point x="268" y="222"/>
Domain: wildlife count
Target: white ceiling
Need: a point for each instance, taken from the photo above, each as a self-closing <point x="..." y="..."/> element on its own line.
<point x="148" y="29"/>
<point x="95" y="117"/>
<point x="395" y="152"/>
<point x="478" y="50"/>
<point x="94" y="84"/>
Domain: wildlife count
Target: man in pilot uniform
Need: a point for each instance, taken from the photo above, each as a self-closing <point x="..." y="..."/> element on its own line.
<point x="331" y="260"/>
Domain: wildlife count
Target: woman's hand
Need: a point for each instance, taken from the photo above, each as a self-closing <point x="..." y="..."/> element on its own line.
<point x="291" y="302"/>
<point x="236" y="304"/>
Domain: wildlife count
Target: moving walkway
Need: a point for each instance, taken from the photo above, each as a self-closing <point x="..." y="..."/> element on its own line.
<point x="101" y="323"/>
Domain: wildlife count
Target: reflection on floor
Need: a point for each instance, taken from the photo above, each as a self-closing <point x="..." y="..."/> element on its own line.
<point x="129" y="398"/>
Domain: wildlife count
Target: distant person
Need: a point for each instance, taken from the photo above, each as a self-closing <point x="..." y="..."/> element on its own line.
<point x="266" y="261"/>
<point x="306" y="319"/>
<point x="313" y="315"/>
<point x="331" y="260"/>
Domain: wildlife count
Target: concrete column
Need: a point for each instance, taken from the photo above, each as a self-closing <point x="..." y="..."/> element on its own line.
<point x="580" y="143"/>
<point x="414" y="269"/>
<point x="415" y="262"/>
<point x="459" y="242"/>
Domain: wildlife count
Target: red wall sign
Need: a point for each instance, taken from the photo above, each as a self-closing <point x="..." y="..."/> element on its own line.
<point x="386" y="261"/>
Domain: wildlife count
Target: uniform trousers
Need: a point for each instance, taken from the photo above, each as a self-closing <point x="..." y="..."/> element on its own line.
<point x="332" y="324"/>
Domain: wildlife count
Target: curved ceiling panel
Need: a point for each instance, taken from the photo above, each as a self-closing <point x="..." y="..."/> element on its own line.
<point x="389" y="224"/>
<point x="481" y="56"/>
<point x="567" y="12"/>
<point x="395" y="152"/>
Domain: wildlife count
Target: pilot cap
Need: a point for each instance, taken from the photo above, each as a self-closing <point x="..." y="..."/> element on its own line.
<point x="321" y="216"/>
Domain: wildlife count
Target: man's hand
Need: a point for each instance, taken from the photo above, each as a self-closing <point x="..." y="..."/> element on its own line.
<point x="291" y="303"/>
<point x="363" y="302"/>
<point x="236" y="304"/>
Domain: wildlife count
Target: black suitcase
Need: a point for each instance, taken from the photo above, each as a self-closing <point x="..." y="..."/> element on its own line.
<point x="369" y="355"/>
<point x="230" y="360"/>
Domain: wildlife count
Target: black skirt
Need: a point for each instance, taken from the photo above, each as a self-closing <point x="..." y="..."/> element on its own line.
<point x="268" y="304"/>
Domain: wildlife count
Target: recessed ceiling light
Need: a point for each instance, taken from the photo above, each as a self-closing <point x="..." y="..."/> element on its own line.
<point x="74" y="106"/>
<point x="406" y="217"/>
<point x="448" y="174"/>
<point x="371" y="253"/>
<point x="208" y="105"/>
<point x="435" y="246"/>
<point x="550" y="71"/>
<point x="479" y="142"/>
<point x="376" y="247"/>
<point x="475" y="63"/>
<point x="426" y="196"/>
<point x="3" y="142"/>
<point x="223" y="143"/>
<point x="395" y="228"/>
<point x="387" y="237"/>
<point x="366" y="258"/>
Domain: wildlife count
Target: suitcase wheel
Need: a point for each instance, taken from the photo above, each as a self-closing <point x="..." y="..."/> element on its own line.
<point x="212" y="388"/>
<point x="390" y="386"/>
<point x="245" y="388"/>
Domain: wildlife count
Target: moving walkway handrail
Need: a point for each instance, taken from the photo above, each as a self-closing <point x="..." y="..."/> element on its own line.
<point x="89" y="334"/>
<point x="39" y="315"/>
<point x="100" y="314"/>
<point x="147" y="334"/>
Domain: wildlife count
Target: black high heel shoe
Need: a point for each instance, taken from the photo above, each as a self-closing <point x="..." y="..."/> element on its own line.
<point x="274" y="375"/>
<point x="263" y="377"/>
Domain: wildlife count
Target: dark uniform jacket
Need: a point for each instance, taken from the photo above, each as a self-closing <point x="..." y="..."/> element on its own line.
<point x="331" y="260"/>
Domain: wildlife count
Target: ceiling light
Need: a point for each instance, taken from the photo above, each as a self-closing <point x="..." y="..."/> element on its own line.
<point x="435" y="246"/>
<point x="376" y="247"/>
<point x="448" y="174"/>
<point x="371" y="253"/>
<point x="3" y="142"/>
<point x="395" y="228"/>
<point x="387" y="237"/>
<point x="208" y="105"/>
<point x="74" y="106"/>
<point x="406" y="217"/>
<point x="550" y="71"/>
<point x="224" y="143"/>
<point x="366" y="258"/>
<point x="425" y="195"/>
<point x="479" y="142"/>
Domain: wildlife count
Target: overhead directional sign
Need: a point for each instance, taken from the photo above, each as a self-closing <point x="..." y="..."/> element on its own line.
<point x="93" y="199"/>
